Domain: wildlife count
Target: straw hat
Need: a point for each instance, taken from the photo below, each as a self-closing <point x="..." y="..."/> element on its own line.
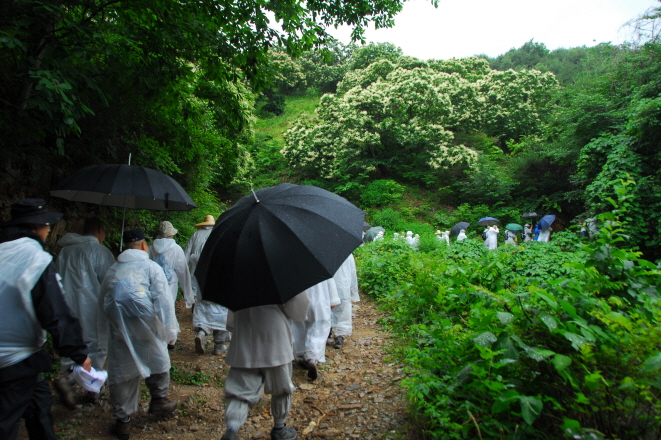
<point x="208" y="221"/>
<point x="438" y="232"/>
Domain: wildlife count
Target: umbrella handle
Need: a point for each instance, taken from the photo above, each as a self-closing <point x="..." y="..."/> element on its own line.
<point x="254" y="195"/>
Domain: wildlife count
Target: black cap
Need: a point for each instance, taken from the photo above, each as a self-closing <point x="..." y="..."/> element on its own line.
<point x="133" y="236"/>
<point x="32" y="211"/>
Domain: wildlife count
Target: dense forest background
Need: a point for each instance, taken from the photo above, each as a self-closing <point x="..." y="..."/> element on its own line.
<point x="408" y="140"/>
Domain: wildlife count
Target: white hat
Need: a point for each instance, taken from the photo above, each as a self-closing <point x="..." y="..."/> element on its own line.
<point x="91" y="380"/>
<point x="166" y="229"/>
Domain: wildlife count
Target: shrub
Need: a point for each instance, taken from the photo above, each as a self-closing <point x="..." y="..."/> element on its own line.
<point x="381" y="193"/>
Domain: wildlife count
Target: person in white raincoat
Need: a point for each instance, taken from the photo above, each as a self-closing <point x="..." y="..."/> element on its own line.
<point x="545" y="234"/>
<point x="492" y="238"/>
<point x="510" y="237"/>
<point x="346" y="282"/>
<point x="139" y="307"/>
<point x="527" y="233"/>
<point x="409" y="238"/>
<point x="310" y="335"/>
<point x="208" y="316"/>
<point x="83" y="263"/>
<point x="170" y="256"/>
<point x="462" y="235"/>
<point x="446" y="237"/>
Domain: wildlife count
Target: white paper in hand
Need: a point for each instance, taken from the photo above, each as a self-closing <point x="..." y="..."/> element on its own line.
<point x="92" y="380"/>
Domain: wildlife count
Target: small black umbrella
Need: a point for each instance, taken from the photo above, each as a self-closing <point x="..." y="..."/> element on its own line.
<point x="275" y="243"/>
<point x="125" y="186"/>
<point x="366" y="226"/>
<point x="530" y="215"/>
<point x="458" y="227"/>
<point x="371" y="233"/>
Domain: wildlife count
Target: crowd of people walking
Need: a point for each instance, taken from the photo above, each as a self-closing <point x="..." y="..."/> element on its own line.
<point x="119" y="315"/>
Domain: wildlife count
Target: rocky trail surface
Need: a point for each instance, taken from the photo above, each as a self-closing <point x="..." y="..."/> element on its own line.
<point x="357" y="395"/>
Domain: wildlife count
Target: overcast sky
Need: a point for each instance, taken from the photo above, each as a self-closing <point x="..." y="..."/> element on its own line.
<point x="460" y="28"/>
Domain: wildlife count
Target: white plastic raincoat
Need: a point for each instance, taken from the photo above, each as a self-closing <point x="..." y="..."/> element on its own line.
<point x="528" y="234"/>
<point x="310" y="335"/>
<point x="545" y="234"/>
<point x="22" y="262"/>
<point x="509" y="237"/>
<point x="170" y="256"/>
<point x="346" y="282"/>
<point x="409" y="238"/>
<point x="139" y="307"/>
<point x="492" y="239"/>
<point x="83" y="263"/>
<point x="207" y="315"/>
<point x="462" y="235"/>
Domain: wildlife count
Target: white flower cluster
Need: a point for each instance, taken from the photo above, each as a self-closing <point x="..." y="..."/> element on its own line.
<point x="391" y="114"/>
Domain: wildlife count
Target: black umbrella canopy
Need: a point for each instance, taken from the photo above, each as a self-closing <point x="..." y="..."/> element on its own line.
<point x="274" y="244"/>
<point x="371" y="233"/>
<point x="458" y="227"/>
<point x="530" y="215"/>
<point x="127" y="186"/>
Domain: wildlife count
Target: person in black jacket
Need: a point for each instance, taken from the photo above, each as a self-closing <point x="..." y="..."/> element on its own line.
<point x="31" y="301"/>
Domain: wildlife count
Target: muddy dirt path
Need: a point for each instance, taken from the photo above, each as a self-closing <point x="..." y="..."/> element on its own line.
<point x="357" y="395"/>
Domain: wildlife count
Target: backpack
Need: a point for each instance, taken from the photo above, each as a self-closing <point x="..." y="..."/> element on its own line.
<point x="484" y="235"/>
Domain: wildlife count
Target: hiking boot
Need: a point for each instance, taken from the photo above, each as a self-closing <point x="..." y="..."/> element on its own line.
<point x="283" y="433"/>
<point x="200" y="342"/>
<point x="219" y="348"/>
<point x="162" y="405"/>
<point x="65" y="392"/>
<point x="311" y="366"/>
<point x="339" y="342"/>
<point x="230" y="435"/>
<point x="170" y="346"/>
<point x="121" y="430"/>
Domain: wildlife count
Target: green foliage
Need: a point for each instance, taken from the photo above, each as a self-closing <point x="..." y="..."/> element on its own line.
<point x="540" y="340"/>
<point x="381" y="192"/>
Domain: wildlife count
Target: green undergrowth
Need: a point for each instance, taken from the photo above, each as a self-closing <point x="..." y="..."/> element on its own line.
<point x="542" y="340"/>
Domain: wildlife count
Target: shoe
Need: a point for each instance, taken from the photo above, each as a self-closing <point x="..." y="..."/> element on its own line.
<point x="200" y="342"/>
<point x="65" y="392"/>
<point x="162" y="406"/>
<point x="283" y="433"/>
<point x="170" y="346"/>
<point x="230" y="435"/>
<point x="311" y="366"/>
<point x="339" y="342"/>
<point x="219" y="348"/>
<point x="121" y="430"/>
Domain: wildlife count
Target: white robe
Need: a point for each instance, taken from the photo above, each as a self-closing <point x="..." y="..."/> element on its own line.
<point x="207" y="315"/>
<point x="83" y="263"/>
<point x="492" y="239"/>
<point x="528" y="234"/>
<point x="310" y="335"/>
<point x="509" y="237"/>
<point x="461" y="236"/>
<point x="139" y="307"/>
<point x="346" y="282"/>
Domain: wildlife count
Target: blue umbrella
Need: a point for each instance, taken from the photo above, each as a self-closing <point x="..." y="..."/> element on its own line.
<point x="546" y="221"/>
<point x="487" y="221"/>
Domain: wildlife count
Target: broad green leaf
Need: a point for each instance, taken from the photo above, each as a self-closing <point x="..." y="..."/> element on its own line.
<point x="505" y="318"/>
<point x="548" y="320"/>
<point x="560" y="362"/>
<point x="485" y="339"/>
<point x="652" y="363"/>
<point x="531" y="408"/>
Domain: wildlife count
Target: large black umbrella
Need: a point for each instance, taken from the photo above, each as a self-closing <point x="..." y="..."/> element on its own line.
<point x="275" y="243"/>
<point x="125" y="186"/>
<point x="458" y="227"/>
<point x="530" y="215"/>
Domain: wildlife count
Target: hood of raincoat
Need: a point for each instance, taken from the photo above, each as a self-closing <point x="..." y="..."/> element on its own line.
<point x="163" y="244"/>
<point x="132" y="255"/>
<point x="73" y="238"/>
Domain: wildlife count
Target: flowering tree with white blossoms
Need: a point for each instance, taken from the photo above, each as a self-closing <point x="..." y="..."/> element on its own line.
<point x="391" y="118"/>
